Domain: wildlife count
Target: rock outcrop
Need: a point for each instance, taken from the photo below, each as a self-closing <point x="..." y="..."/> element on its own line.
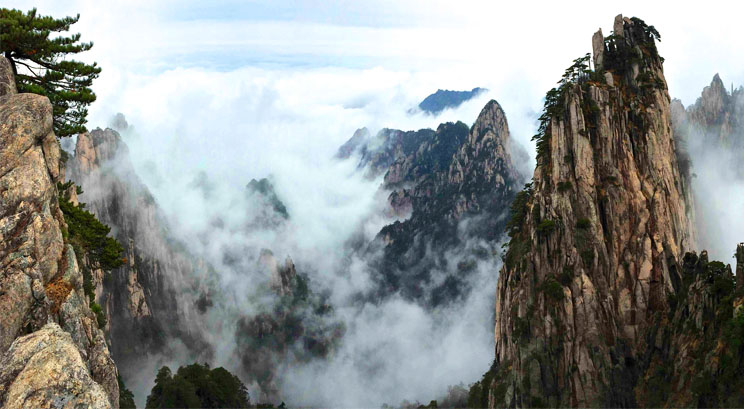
<point x="714" y="121"/>
<point x="594" y="236"/>
<point x="694" y="351"/>
<point x="49" y="337"/>
<point x="455" y="187"/>
<point x="270" y="211"/>
<point x="157" y="295"/>
<point x="719" y="115"/>
<point x="377" y="153"/>
<point x="296" y="326"/>
<point x="45" y="369"/>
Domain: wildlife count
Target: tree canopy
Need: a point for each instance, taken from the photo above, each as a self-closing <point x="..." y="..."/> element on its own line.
<point x="41" y="65"/>
<point x="196" y="386"/>
<point x="88" y="235"/>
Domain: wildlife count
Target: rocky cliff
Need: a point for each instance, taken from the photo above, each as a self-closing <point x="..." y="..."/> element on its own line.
<point x="164" y="298"/>
<point x="719" y="115"/>
<point x="377" y="153"/>
<point x="455" y="188"/>
<point x="595" y="236"/>
<point x="715" y="120"/>
<point x="53" y="353"/>
<point x="158" y="295"/>
<point x="452" y="188"/>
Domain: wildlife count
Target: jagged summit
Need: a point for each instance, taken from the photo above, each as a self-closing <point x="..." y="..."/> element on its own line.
<point x="377" y="153"/>
<point x="458" y="174"/>
<point x="593" y="235"/>
<point x="265" y="190"/>
<point x="718" y="115"/>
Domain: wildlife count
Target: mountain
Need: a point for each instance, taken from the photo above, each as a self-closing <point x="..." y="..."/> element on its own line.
<point x="457" y="188"/>
<point x="53" y="352"/>
<point x="377" y="153"/>
<point x="158" y="295"/>
<point x="164" y="295"/>
<point x="719" y="115"/>
<point x="444" y="99"/>
<point x="600" y="301"/>
<point x="264" y="190"/>
<point x="713" y="121"/>
<point x="453" y="187"/>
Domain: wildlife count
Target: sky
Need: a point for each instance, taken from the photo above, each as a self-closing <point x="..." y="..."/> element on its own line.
<point x="347" y="53"/>
<point x="229" y="91"/>
<point x="452" y="45"/>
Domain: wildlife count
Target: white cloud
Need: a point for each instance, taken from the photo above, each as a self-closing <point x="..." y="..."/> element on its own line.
<point x="242" y="90"/>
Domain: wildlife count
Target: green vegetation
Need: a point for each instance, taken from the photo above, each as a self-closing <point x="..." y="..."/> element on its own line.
<point x="518" y="211"/>
<point x="546" y="226"/>
<point x="566" y="276"/>
<point x="44" y="69"/>
<point x="552" y="289"/>
<point x="100" y="315"/>
<point x="521" y="329"/>
<point x="478" y="393"/>
<point x="94" y="249"/>
<point x="583" y="223"/>
<point x="555" y="101"/>
<point x="126" y="397"/>
<point x="197" y="386"/>
<point x="584" y="244"/>
<point x="564" y="186"/>
<point x="265" y="188"/>
<point x="517" y="246"/>
<point x="87" y="234"/>
<point x="714" y="363"/>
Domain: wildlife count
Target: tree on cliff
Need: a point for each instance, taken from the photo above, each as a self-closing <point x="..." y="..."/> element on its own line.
<point x="41" y="67"/>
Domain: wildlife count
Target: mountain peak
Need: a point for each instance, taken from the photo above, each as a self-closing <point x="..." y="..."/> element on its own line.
<point x="590" y="236"/>
<point x="443" y="99"/>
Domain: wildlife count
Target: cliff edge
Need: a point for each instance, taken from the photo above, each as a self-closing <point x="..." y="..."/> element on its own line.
<point x="52" y="352"/>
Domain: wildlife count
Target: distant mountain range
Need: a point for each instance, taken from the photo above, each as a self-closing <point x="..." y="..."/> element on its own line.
<point x="443" y="99"/>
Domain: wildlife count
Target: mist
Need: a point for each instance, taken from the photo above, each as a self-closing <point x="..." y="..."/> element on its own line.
<point x="717" y="175"/>
<point x="196" y="158"/>
<point x="214" y="101"/>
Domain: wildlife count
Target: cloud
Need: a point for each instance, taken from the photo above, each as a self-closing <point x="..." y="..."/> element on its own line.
<point x="222" y="94"/>
<point x="197" y="146"/>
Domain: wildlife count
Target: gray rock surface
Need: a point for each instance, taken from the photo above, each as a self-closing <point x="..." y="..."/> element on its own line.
<point x="598" y="49"/>
<point x="40" y="281"/>
<point x="7" y="80"/>
<point x="589" y="265"/>
<point x="45" y="369"/>
<point x="155" y="297"/>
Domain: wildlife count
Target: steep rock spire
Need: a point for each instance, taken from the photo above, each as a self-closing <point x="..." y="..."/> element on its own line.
<point x="593" y="235"/>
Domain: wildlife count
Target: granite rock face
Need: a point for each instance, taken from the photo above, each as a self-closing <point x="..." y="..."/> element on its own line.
<point x="155" y="296"/>
<point x="693" y="352"/>
<point x="593" y="237"/>
<point x="41" y="282"/>
<point x="46" y="369"/>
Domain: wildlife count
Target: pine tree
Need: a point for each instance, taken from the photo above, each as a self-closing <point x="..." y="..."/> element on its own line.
<point x="41" y="65"/>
